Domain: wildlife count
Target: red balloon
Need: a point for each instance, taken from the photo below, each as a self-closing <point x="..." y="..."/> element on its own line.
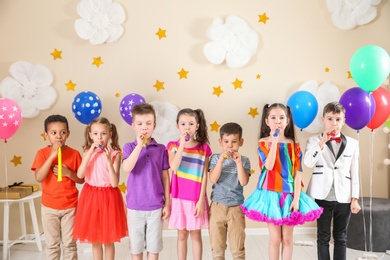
<point x="382" y="108"/>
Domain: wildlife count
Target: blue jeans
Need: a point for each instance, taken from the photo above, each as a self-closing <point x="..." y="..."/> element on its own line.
<point x="341" y="214"/>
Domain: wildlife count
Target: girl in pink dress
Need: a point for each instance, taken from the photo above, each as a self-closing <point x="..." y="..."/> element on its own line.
<point x="100" y="216"/>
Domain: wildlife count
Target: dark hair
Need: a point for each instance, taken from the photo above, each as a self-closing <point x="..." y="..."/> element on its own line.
<point x="101" y="120"/>
<point x="230" y="129"/>
<point x="265" y="131"/>
<point x="201" y="134"/>
<point x="143" y="109"/>
<point x="56" y="118"/>
<point x="333" y="107"/>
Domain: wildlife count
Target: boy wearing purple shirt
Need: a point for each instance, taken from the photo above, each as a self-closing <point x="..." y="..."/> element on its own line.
<point x="148" y="185"/>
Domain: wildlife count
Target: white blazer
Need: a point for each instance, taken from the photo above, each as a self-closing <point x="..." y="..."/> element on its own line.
<point x="342" y="169"/>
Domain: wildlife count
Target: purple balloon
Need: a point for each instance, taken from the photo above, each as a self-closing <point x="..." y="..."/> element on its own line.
<point x="127" y="104"/>
<point x="359" y="107"/>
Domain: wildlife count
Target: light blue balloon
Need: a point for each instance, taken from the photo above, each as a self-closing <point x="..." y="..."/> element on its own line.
<point x="304" y="108"/>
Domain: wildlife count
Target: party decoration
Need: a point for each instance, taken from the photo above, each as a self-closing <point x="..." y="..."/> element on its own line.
<point x="183" y="73"/>
<point x="97" y="61"/>
<point x="237" y="83"/>
<point x="100" y="22"/>
<point x="59" y="164"/>
<point x="304" y="108"/>
<point x="86" y="107"/>
<point x="127" y="104"/>
<point x="370" y="66"/>
<point x="30" y="86"/>
<point x="159" y="85"/>
<point x="359" y="107"/>
<point x="253" y="112"/>
<point x="215" y="126"/>
<point x="325" y="93"/>
<point x="382" y="108"/>
<point x="56" y="54"/>
<point x="161" y="33"/>
<point x="10" y="118"/>
<point x="347" y="14"/>
<point x="70" y="86"/>
<point x="233" y="41"/>
<point x="16" y="160"/>
<point x="217" y="91"/>
<point x="166" y="127"/>
<point x="263" y="18"/>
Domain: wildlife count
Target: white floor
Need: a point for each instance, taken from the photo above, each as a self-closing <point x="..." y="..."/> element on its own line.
<point x="256" y="249"/>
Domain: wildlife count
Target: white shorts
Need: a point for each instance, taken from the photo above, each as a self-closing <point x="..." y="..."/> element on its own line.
<point x="145" y="231"/>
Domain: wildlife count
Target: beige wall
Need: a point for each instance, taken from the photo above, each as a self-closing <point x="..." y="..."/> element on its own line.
<point x="296" y="44"/>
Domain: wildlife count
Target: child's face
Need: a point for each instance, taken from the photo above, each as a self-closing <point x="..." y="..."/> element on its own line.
<point x="100" y="134"/>
<point x="333" y="122"/>
<point x="57" y="133"/>
<point x="231" y="143"/>
<point x="144" y="124"/>
<point x="187" y="124"/>
<point x="277" y="119"/>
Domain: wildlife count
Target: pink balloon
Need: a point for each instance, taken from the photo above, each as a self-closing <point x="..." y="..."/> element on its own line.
<point x="10" y="118"/>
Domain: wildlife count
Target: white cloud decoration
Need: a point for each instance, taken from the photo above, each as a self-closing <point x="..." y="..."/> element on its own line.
<point x="100" y="22"/>
<point x="326" y="93"/>
<point x="166" y="127"/>
<point x="30" y="86"/>
<point x="347" y="14"/>
<point x="233" y="40"/>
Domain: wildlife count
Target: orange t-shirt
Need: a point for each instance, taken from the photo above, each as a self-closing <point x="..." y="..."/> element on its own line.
<point x="58" y="194"/>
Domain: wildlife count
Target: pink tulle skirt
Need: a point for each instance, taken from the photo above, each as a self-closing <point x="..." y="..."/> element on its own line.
<point x="100" y="215"/>
<point x="182" y="215"/>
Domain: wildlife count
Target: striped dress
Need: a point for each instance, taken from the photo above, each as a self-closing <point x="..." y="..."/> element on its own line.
<point x="186" y="185"/>
<point x="271" y="200"/>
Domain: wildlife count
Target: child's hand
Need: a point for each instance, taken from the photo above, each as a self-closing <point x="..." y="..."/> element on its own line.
<point x="54" y="150"/>
<point x="236" y="156"/>
<point x="65" y="170"/>
<point x="294" y="205"/>
<point x="184" y="137"/>
<point x="140" y="139"/>
<point x="166" y="212"/>
<point x="199" y="208"/>
<point x="355" y="207"/>
<point x="275" y="133"/>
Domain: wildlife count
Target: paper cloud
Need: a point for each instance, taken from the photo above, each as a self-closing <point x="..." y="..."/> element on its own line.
<point x="347" y="14"/>
<point x="166" y="127"/>
<point x="100" y="22"/>
<point x="233" y="41"/>
<point x="30" y="87"/>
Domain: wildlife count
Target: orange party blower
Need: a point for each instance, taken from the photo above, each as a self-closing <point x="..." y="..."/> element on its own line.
<point x="59" y="156"/>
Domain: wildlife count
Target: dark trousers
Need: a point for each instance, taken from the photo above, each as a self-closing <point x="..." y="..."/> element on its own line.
<point x="341" y="214"/>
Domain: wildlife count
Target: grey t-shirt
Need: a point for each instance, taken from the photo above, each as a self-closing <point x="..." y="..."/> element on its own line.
<point x="228" y="190"/>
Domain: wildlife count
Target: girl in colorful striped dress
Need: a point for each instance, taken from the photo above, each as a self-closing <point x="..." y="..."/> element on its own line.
<point x="278" y="199"/>
<point x="189" y="159"/>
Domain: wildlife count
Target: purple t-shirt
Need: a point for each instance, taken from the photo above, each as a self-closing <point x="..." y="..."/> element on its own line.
<point x="145" y="189"/>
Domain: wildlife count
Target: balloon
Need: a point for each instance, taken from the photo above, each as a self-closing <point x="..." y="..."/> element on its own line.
<point x="86" y="107"/>
<point x="359" y="107"/>
<point x="127" y="104"/>
<point x="370" y="66"/>
<point x="387" y="123"/>
<point x="304" y="107"/>
<point x="10" y="118"/>
<point x="382" y="108"/>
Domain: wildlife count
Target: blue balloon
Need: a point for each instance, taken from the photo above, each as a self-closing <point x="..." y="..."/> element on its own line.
<point x="86" y="107"/>
<point x="304" y="108"/>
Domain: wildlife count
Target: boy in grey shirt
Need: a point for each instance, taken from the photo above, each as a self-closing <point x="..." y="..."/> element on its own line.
<point x="229" y="172"/>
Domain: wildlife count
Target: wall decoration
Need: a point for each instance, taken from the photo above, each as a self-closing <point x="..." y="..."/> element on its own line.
<point x="217" y="91"/>
<point x="166" y="126"/>
<point x="326" y="69"/>
<point x="183" y="73"/>
<point x="258" y="76"/>
<point x="263" y="18"/>
<point x="70" y="86"/>
<point x="100" y="22"/>
<point x="56" y="54"/>
<point x="215" y="126"/>
<point x="159" y="85"/>
<point x="233" y="41"/>
<point x="347" y="14"/>
<point x="324" y="93"/>
<point x="30" y="86"/>
<point x="237" y="83"/>
<point x="127" y="104"/>
<point x="16" y="160"/>
<point x="122" y="187"/>
<point x="253" y="112"/>
<point x="86" y="107"/>
<point x="97" y="61"/>
<point x="161" y="33"/>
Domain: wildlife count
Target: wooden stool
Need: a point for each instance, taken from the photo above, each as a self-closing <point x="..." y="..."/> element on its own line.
<point x="7" y="243"/>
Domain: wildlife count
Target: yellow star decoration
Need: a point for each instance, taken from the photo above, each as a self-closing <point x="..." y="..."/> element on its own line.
<point x="253" y="112"/>
<point x="16" y="160"/>
<point x="161" y="33"/>
<point x="122" y="187"/>
<point x="327" y="69"/>
<point x="70" y="85"/>
<point x="159" y="85"/>
<point x="117" y="94"/>
<point x="97" y="61"/>
<point x="263" y="18"/>
<point x="215" y="126"/>
<point x="258" y="76"/>
<point x="183" y="73"/>
<point x="217" y="91"/>
<point x="349" y="75"/>
<point x="56" y="54"/>
<point x="44" y="136"/>
<point x="237" y="84"/>
<point x="252" y="171"/>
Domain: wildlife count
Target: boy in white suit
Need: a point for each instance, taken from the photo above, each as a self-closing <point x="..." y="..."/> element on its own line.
<point x="335" y="180"/>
